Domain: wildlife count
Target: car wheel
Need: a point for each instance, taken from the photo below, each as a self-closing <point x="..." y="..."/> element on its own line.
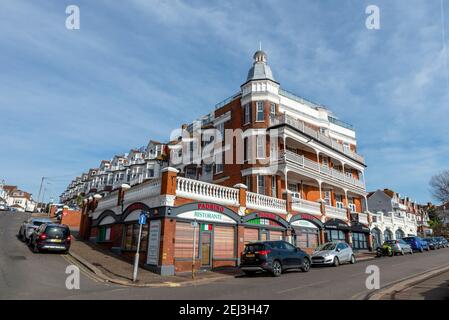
<point x="352" y="261"/>
<point x="421" y="250"/>
<point x="35" y="248"/>
<point x="411" y="251"/>
<point x="306" y="265"/>
<point x="336" y="262"/>
<point x="249" y="273"/>
<point x="277" y="268"/>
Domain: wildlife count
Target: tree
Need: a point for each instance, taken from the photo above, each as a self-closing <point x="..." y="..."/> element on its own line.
<point x="439" y="186"/>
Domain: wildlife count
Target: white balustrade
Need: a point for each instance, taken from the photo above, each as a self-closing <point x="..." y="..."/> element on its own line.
<point x="363" y="218"/>
<point x="107" y="202"/>
<point x="204" y="191"/>
<point x="261" y="202"/>
<point x="143" y="191"/>
<point x="334" y="212"/>
<point x="306" y="206"/>
<point x="319" y="169"/>
<point x="300" y="125"/>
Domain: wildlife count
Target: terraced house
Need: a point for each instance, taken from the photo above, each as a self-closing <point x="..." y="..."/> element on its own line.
<point x="290" y="170"/>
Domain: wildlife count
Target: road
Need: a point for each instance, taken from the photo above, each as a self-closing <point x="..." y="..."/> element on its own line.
<point x="24" y="275"/>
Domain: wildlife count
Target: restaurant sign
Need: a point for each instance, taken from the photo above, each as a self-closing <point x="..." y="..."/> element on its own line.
<point x="205" y="215"/>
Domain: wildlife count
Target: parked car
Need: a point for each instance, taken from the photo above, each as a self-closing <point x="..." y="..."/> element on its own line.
<point x="52" y="237"/>
<point x="433" y="244"/>
<point x="3" y="207"/>
<point x="274" y="257"/>
<point x="417" y="243"/>
<point x="400" y="247"/>
<point x="28" y="226"/>
<point x="442" y="242"/>
<point x="333" y="253"/>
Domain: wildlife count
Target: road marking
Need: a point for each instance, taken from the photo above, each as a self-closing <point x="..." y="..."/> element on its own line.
<point x="82" y="268"/>
<point x="304" y="286"/>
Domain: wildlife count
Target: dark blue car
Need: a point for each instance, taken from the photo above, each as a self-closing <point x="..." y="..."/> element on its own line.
<point x="417" y="243"/>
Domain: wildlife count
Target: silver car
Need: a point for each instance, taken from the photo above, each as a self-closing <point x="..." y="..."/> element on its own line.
<point x="400" y="247"/>
<point x="28" y="226"/>
<point x="333" y="253"/>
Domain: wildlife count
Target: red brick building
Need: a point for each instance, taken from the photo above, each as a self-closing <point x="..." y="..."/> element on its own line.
<point x="289" y="171"/>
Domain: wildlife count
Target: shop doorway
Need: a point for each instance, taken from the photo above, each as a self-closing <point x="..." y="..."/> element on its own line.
<point x="206" y="248"/>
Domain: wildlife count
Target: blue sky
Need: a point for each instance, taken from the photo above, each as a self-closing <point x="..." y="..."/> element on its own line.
<point x="137" y="69"/>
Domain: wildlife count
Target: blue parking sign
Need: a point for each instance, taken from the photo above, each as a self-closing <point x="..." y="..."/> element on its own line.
<point x="143" y="218"/>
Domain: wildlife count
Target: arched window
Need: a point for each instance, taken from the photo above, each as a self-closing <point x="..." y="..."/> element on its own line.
<point x="399" y="234"/>
<point x="377" y="237"/>
<point x="388" y="235"/>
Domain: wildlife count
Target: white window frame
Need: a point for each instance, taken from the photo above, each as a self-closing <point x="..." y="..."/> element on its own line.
<point x="247" y="113"/>
<point x="261" y="178"/>
<point x="260" y="146"/>
<point x="259" y="104"/>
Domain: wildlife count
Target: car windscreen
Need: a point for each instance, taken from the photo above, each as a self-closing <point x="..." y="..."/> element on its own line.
<point x="408" y="240"/>
<point x="326" y="246"/>
<point x="37" y="223"/>
<point x="60" y="232"/>
<point x="254" y="247"/>
<point x="391" y="241"/>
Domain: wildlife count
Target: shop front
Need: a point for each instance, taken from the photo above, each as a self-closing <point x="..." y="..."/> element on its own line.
<point x="360" y="236"/>
<point x="306" y="231"/>
<point x="207" y="230"/>
<point x="336" y="230"/>
<point x="261" y="226"/>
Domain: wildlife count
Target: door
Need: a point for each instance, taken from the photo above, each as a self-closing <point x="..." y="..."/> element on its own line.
<point x="341" y="252"/>
<point x="294" y="256"/>
<point x="206" y="246"/>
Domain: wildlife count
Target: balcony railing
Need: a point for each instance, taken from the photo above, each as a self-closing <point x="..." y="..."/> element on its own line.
<point x="339" y="213"/>
<point x="261" y="202"/>
<point x="143" y="191"/>
<point x="306" y="206"/>
<point x="203" y="191"/>
<point x="321" y="170"/>
<point x="302" y="127"/>
<point x="363" y="218"/>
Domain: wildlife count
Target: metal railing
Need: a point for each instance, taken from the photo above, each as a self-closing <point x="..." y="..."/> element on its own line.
<point x="302" y="127"/>
<point x="319" y="169"/>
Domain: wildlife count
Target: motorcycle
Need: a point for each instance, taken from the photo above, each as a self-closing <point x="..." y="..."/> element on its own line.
<point x="385" y="250"/>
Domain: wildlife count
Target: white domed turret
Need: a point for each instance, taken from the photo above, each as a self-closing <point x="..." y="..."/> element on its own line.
<point x="260" y="69"/>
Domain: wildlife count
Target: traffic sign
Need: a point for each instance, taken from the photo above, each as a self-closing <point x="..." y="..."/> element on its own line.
<point x="194" y="224"/>
<point x="143" y="218"/>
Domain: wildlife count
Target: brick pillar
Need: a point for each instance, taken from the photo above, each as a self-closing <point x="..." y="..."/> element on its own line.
<point x="370" y="242"/>
<point x="242" y="197"/>
<point x="167" y="247"/>
<point x="322" y="237"/>
<point x="288" y="201"/>
<point x="168" y="181"/>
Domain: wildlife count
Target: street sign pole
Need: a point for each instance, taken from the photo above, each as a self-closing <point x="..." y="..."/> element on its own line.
<point x="142" y="221"/>
<point x="194" y="224"/>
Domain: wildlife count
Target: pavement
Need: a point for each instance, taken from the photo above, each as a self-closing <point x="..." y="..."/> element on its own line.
<point x="24" y="275"/>
<point x="113" y="268"/>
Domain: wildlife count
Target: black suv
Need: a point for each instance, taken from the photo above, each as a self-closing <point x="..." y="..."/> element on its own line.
<point x="274" y="257"/>
<point x="51" y="236"/>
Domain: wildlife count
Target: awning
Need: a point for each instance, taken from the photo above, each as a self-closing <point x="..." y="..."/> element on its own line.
<point x="336" y="224"/>
<point x="359" y="227"/>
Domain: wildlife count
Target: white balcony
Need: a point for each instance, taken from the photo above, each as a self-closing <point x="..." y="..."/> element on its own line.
<point x="306" y="206"/>
<point x="333" y="212"/>
<point x="363" y="218"/>
<point x="203" y="191"/>
<point x="265" y="203"/>
<point x="300" y="125"/>
<point x="143" y="191"/>
<point x="319" y="170"/>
